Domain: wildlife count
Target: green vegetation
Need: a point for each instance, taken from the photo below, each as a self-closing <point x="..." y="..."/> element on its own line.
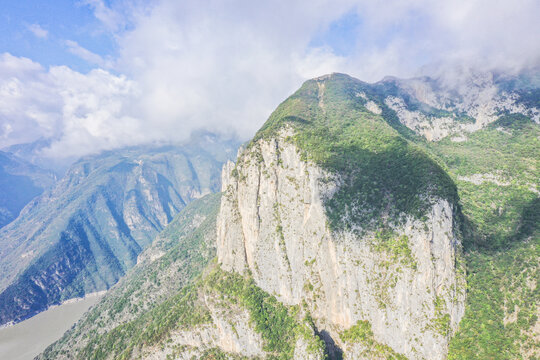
<point x="395" y="252"/>
<point x="89" y="231"/>
<point x="179" y="311"/>
<point x="502" y="242"/>
<point x="152" y="299"/>
<point x="502" y="301"/>
<point x="511" y="156"/>
<point x="218" y="354"/>
<point x="385" y="172"/>
<point x="382" y="175"/>
<point x="397" y="247"/>
<point x="361" y="333"/>
<point x="442" y="319"/>
<point x="278" y="324"/>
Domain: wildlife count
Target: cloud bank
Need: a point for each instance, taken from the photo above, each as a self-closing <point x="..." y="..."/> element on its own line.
<point x="225" y="66"/>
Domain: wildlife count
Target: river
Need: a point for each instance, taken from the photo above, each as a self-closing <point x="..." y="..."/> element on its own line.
<point x="27" y="339"/>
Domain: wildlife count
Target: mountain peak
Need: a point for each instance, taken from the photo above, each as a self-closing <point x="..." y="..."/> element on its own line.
<point x="333" y="76"/>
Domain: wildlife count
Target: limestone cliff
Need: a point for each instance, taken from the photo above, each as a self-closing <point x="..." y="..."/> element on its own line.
<point x="272" y="223"/>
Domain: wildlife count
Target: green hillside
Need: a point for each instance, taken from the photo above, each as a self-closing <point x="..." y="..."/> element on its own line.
<point x="502" y="245"/>
<point x="379" y="169"/>
<point x="386" y="173"/>
<point x="151" y="292"/>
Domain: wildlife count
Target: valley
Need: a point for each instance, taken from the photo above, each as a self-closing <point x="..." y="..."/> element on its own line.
<point x="269" y="180"/>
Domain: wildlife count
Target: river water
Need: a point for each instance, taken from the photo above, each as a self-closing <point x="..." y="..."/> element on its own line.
<point x="27" y="339"/>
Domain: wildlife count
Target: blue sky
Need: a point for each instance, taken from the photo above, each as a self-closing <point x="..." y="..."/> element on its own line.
<point x="40" y="30"/>
<point x="99" y="74"/>
<point x="341" y="35"/>
<point x="60" y="20"/>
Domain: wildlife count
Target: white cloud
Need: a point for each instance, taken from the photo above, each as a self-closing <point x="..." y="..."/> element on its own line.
<point x="38" y="31"/>
<point x="85" y="112"/>
<point x="85" y="54"/>
<point x="110" y="18"/>
<point x="226" y="65"/>
<point x="409" y="34"/>
<point x="28" y="108"/>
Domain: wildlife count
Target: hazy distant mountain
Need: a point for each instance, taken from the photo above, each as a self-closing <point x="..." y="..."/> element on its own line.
<point x="86" y="232"/>
<point x="177" y="256"/>
<point x="32" y="152"/>
<point x="20" y="182"/>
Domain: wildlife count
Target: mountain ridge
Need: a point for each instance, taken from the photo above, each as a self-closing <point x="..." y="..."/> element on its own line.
<point x="84" y="234"/>
<point x="453" y="256"/>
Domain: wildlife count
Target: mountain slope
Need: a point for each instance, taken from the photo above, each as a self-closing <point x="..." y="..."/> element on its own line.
<point x="34" y="153"/>
<point x="344" y="233"/>
<point x="177" y="255"/>
<point x="460" y="102"/>
<point x="497" y="171"/>
<point x="330" y="205"/>
<point x="84" y="234"/>
<point x="153" y="302"/>
<point x="20" y="182"/>
<point x="317" y="243"/>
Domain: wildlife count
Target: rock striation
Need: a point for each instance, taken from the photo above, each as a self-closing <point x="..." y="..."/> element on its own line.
<point x="273" y="224"/>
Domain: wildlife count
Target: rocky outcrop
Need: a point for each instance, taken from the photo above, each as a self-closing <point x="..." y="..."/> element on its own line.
<point x="436" y="107"/>
<point x="407" y="282"/>
<point x="337" y="237"/>
<point x="229" y="331"/>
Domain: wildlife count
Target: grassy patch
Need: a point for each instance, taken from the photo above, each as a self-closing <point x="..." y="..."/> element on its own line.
<point x="361" y="333"/>
<point x="276" y="322"/>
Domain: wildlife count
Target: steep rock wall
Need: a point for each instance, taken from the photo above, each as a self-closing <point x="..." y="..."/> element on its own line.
<point x="272" y="223"/>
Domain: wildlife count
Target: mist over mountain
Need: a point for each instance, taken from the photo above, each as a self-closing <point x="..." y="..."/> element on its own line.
<point x="150" y="69"/>
<point x="324" y="180"/>
<point x="33" y="153"/>
<point x="20" y="182"/>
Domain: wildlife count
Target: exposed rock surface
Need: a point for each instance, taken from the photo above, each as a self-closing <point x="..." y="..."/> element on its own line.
<point x="230" y="331"/>
<point x="272" y="223"/>
<point x="382" y="280"/>
<point x="438" y="107"/>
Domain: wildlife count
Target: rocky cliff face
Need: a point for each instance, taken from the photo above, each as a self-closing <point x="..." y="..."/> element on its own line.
<point x="273" y="224"/>
<point x="339" y="234"/>
<point x="459" y="103"/>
